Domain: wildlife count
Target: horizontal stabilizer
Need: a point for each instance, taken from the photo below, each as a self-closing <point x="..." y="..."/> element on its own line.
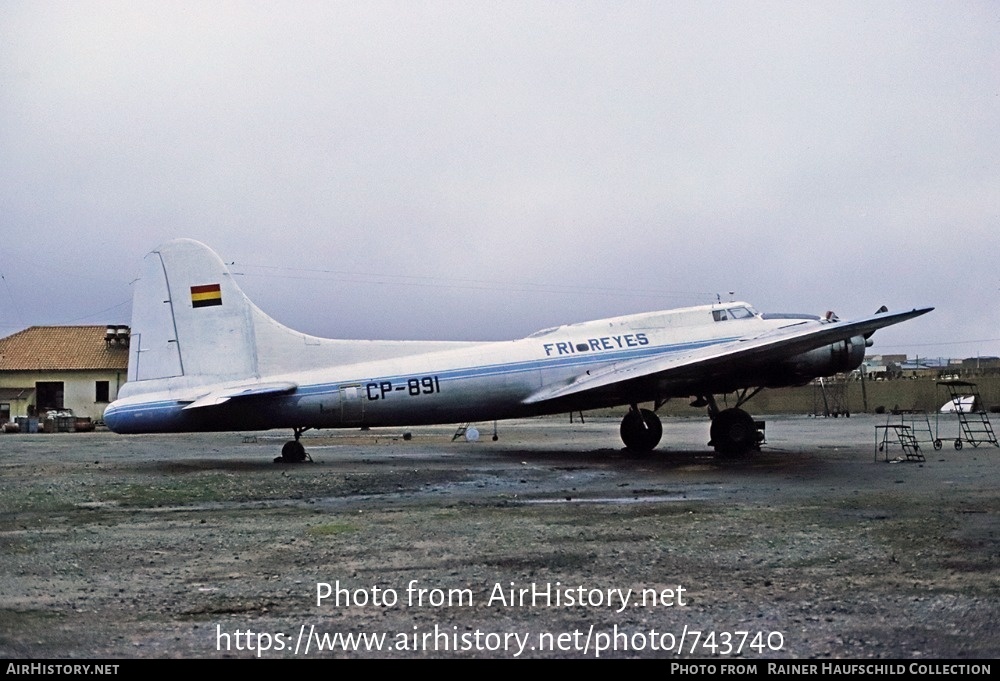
<point x="253" y="390"/>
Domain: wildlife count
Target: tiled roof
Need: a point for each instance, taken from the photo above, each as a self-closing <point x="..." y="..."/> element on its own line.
<point x="67" y="348"/>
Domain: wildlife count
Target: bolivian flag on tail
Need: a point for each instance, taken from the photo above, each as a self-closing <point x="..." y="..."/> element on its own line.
<point x="203" y="296"/>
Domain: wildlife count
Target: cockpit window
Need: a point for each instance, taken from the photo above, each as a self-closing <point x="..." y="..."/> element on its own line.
<point x="733" y="313"/>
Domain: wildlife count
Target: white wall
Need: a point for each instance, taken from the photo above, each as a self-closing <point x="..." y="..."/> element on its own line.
<point x="79" y="389"/>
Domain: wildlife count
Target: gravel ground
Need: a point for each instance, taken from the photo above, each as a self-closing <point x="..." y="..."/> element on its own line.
<point x="200" y="546"/>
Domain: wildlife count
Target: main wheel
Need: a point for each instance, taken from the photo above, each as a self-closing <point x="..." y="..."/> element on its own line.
<point x="641" y="431"/>
<point x="293" y="452"/>
<point x="733" y="432"/>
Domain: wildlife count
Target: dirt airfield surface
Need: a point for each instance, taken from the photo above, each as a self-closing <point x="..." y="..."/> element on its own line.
<point x="550" y="542"/>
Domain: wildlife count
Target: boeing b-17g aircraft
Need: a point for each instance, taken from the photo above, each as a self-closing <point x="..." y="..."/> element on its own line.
<point x="205" y="358"/>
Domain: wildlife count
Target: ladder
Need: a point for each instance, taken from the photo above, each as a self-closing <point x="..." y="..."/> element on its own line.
<point x="464" y="428"/>
<point x="898" y="434"/>
<point x="974" y="423"/>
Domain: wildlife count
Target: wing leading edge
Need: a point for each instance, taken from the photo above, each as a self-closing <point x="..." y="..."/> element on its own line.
<point x="773" y="345"/>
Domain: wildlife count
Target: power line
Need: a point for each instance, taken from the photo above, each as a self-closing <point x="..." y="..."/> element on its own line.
<point x="17" y="310"/>
<point x="390" y="279"/>
<point x="99" y="312"/>
<point x="959" y="342"/>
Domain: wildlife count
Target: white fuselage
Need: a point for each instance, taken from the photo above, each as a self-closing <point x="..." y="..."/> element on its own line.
<point x="465" y="382"/>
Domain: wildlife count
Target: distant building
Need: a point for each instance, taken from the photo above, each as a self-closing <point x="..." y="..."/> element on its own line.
<point x="882" y="367"/>
<point x="923" y="367"/>
<point x="874" y="368"/>
<point x="982" y="365"/>
<point x="886" y="367"/>
<point x="60" y="368"/>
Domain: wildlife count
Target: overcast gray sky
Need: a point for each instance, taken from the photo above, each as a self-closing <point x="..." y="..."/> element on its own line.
<point x="479" y="170"/>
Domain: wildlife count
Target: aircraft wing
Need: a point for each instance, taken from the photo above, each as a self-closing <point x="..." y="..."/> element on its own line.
<point x="778" y="344"/>
<point x="249" y="390"/>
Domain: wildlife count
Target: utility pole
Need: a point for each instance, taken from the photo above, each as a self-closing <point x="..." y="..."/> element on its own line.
<point x="864" y="391"/>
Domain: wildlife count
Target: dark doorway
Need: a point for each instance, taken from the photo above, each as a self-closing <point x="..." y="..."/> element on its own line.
<point x="49" y="395"/>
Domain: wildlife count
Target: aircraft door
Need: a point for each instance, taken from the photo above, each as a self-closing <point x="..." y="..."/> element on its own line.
<point x="352" y="404"/>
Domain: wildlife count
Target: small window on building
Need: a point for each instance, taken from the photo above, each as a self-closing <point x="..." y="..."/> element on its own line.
<point x="103" y="391"/>
<point x="4" y="412"/>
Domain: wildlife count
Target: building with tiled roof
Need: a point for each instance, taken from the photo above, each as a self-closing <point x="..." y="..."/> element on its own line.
<point x="61" y="368"/>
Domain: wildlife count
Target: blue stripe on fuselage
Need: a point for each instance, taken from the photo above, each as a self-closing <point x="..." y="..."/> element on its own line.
<point x="564" y="361"/>
<point x="168" y="415"/>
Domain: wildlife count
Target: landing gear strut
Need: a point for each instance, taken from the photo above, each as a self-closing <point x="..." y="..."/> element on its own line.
<point x="641" y="429"/>
<point x="293" y="451"/>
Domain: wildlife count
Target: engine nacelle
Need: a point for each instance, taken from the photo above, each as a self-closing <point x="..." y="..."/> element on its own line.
<point x="842" y="356"/>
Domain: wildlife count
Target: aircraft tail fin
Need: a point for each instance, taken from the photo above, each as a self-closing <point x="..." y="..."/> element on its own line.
<point x="192" y="325"/>
<point x="189" y="318"/>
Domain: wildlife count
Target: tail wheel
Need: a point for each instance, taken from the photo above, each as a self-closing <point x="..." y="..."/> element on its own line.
<point x="733" y="432"/>
<point x="292" y="452"/>
<point x="641" y="430"/>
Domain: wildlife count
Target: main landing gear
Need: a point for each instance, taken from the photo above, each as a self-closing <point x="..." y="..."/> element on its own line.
<point x="641" y="429"/>
<point x="733" y="431"/>
<point x="293" y="451"/>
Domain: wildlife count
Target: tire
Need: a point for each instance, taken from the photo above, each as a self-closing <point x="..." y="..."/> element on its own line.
<point x="641" y="431"/>
<point x="293" y="452"/>
<point x="733" y="432"/>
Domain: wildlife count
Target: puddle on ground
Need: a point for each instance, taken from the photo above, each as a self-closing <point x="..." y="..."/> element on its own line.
<point x="612" y="500"/>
